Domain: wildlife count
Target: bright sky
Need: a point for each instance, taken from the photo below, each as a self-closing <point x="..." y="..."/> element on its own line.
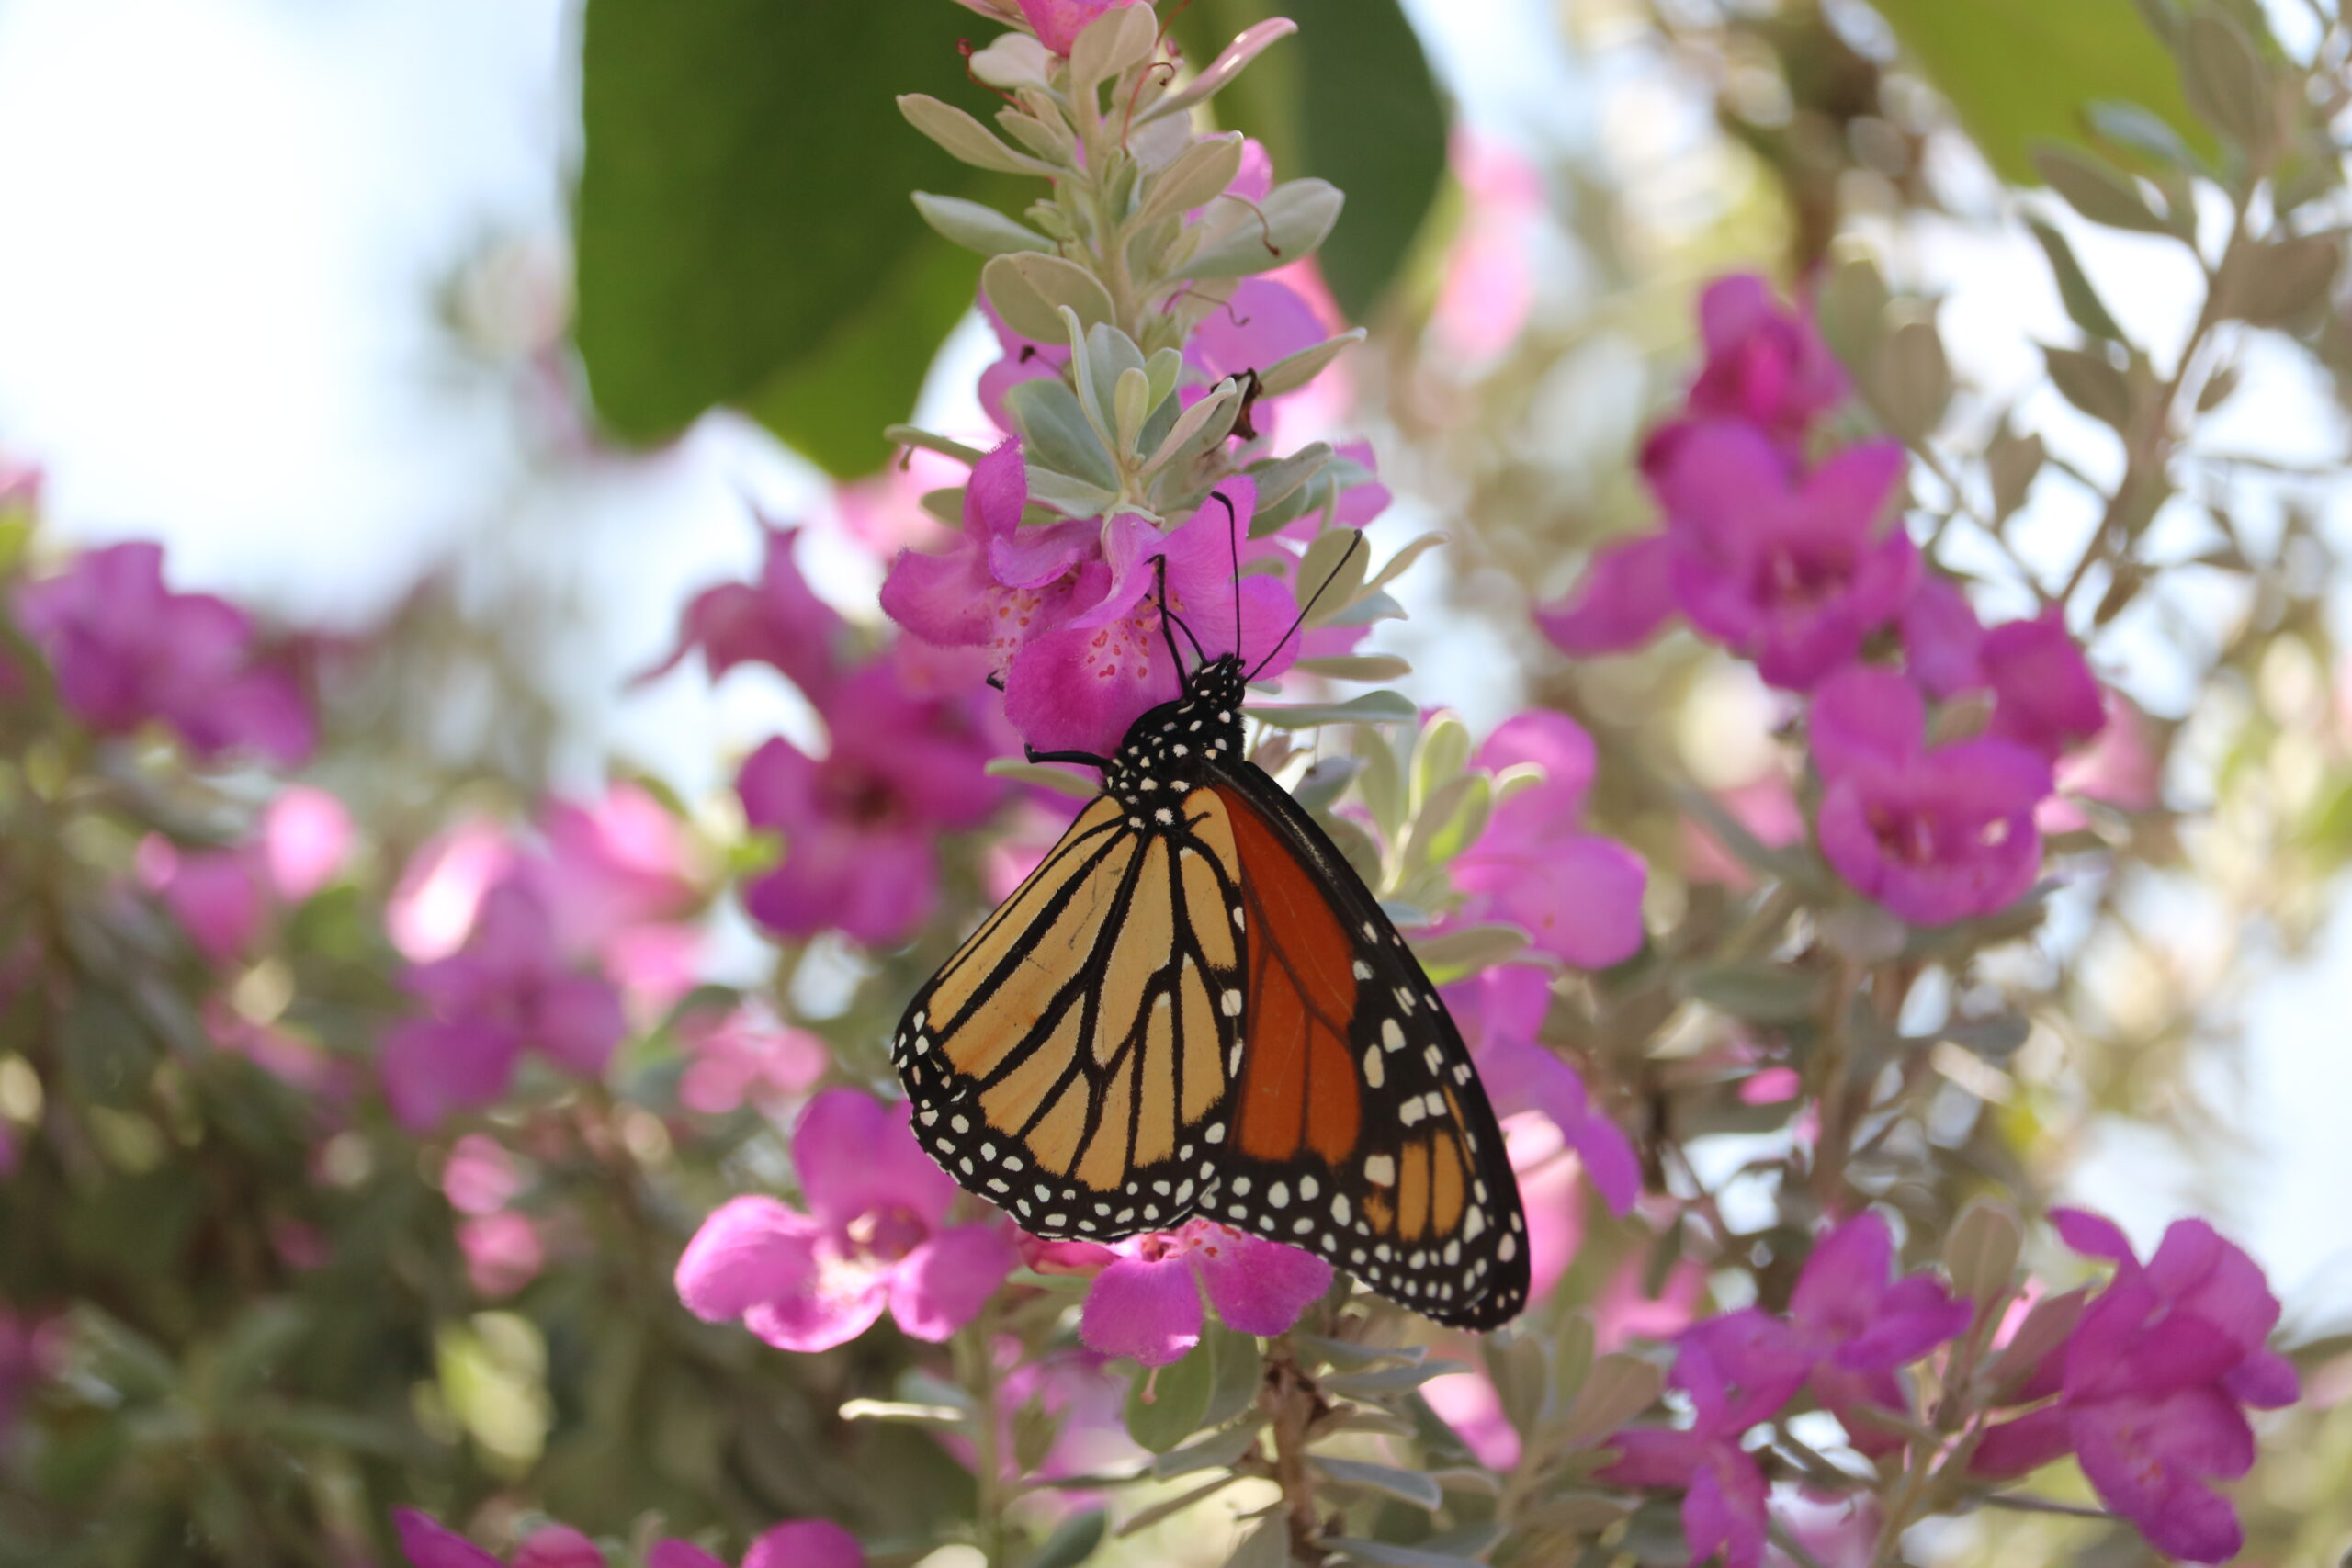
<point x="228" y="219"/>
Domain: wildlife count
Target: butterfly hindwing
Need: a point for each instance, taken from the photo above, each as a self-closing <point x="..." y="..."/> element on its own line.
<point x="1070" y="1062"/>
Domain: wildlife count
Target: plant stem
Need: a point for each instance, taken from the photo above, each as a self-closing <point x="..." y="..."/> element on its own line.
<point x="976" y="1370"/>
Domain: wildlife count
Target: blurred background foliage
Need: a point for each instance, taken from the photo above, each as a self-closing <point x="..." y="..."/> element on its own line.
<point x="743" y="241"/>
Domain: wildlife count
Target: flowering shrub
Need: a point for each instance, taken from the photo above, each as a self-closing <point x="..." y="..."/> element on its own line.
<point x="383" y="1178"/>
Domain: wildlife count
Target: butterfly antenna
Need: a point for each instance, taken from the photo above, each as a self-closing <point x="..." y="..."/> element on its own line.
<point x="1170" y="622"/>
<point x="1308" y="608"/>
<point x="1233" y="537"/>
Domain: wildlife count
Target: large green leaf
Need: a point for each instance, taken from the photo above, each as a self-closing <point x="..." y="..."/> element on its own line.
<point x="1351" y="99"/>
<point x="2016" y="71"/>
<point x="743" y="228"/>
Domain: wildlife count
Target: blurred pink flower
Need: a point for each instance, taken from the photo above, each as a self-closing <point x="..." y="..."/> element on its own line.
<point x="428" y="1544"/>
<point x="1792" y="570"/>
<point x="1767" y="807"/>
<point x="2122" y="767"/>
<point x="1263" y="322"/>
<point x="862" y="824"/>
<point x="1467" y="1402"/>
<point x="127" y="649"/>
<point x="504" y="1252"/>
<point x="1935" y="835"/>
<point x="2151" y="1384"/>
<point x="305" y="835"/>
<point x="558" y="1546"/>
<point x="1766" y="364"/>
<point x="1624" y="598"/>
<point x="507" y="991"/>
<point x="433" y="908"/>
<point x="1859" y="1325"/>
<point x="1577" y="895"/>
<point x="742" y="1057"/>
<point x="1500" y="1014"/>
<point x="1146" y="1302"/>
<point x="480" y="1177"/>
<point x="2044" y="696"/>
<point x="1835" y="1532"/>
<point x="1489" y="285"/>
<point x="874" y="1235"/>
<point x="777" y="621"/>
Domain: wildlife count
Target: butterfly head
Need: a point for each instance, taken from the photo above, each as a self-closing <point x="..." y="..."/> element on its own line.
<point x="1172" y="747"/>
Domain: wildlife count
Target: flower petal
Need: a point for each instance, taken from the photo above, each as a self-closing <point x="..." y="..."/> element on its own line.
<point x="1257" y="1286"/>
<point x="1149" y="1309"/>
<point x="1624" y="598"/>
<point x="430" y="1545"/>
<point x="433" y="1068"/>
<point x="749" y="1249"/>
<point x="856" y="1156"/>
<point x="805" y="1543"/>
<point x="558" y="1546"/>
<point x="942" y="1285"/>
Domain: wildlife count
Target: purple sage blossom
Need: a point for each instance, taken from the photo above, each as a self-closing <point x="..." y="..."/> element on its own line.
<point x="1859" y="1325"/>
<point x="127" y="649"/>
<point x="1933" y="834"/>
<point x="2153" y="1384"/>
<point x="1147" y="1303"/>
<point x="862" y="823"/>
<point x="777" y="621"/>
<point x="875" y="1234"/>
<point x="1766" y="365"/>
<point x="1500" y="1014"/>
<point x="1577" y="895"/>
<point x="1058" y="22"/>
<point x="509" y="990"/>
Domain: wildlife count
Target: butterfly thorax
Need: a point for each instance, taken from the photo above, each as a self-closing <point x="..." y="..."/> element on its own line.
<point x="1172" y="749"/>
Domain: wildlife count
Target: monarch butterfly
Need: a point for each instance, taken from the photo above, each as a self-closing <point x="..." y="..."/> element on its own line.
<point x="1195" y="1007"/>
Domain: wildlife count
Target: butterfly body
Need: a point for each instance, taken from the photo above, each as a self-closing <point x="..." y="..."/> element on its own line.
<point x="1194" y="1007"/>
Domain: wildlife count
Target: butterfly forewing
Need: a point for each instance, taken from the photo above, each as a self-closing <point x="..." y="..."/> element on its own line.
<point x="1070" y="1062"/>
<point x="1194" y="1005"/>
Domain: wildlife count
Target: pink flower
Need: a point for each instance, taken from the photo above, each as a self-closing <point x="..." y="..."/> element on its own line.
<point x="214" y="895"/>
<point x="433" y="908"/>
<point x="508" y="990"/>
<point x="1500" y="1013"/>
<point x="480" y="1177"/>
<point x="1024" y="359"/>
<point x="1860" y="1326"/>
<point x="862" y="824"/>
<point x="2122" y="767"/>
<point x="614" y="878"/>
<point x="1263" y="322"/>
<point x="1489" y="285"/>
<point x="558" y="1546"/>
<point x="1069" y="612"/>
<point x="2152" y="1383"/>
<point x="2044" y="696"/>
<point x="1147" y="1303"/>
<point x="1577" y="895"/>
<point x="305" y="836"/>
<point x="503" y="1251"/>
<point x="1935" y="835"/>
<point x="743" y="1057"/>
<point x="1790" y="569"/>
<point x="875" y="1234"/>
<point x="1738" y="1370"/>
<point x="1058" y="22"/>
<point x="1766" y="365"/>
<point x="1625" y="596"/>
<point x="428" y="1544"/>
<point x="127" y="649"/>
<point x="777" y="621"/>
<point x="1943" y="642"/>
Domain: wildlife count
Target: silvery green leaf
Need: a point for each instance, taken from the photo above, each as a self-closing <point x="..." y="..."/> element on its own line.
<point x="1572" y="1351"/>
<point x="946" y="506"/>
<point x="1093" y="389"/>
<point x="1852" y="310"/>
<point x="1223" y="69"/>
<point x="1178" y="1397"/>
<point x="2276" y="283"/>
<point x="2225" y="81"/>
<point x="966" y="139"/>
<point x="1131" y="404"/>
<point x="1296" y="370"/>
<point x="2098" y="189"/>
<point x="1451" y="825"/>
<point x="1758" y="990"/>
<point x="1013" y="62"/>
<point x="2091" y="381"/>
<point x="1110" y="44"/>
<point x="1356" y="847"/>
<point x="1384" y="1383"/>
<point x="1522" y="1375"/>
<point x="1063" y="285"/>
<point x="1061" y="781"/>
<point x="1407" y="554"/>
<point x="1288" y="225"/>
<point x="1216" y="1452"/>
<point x="1239" y="1368"/>
<point x="1058" y="434"/>
<point x="931" y="441"/>
<point x="1380" y="1554"/>
<point x="1982" y="1253"/>
<point x="1049" y="139"/>
<point x="1470" y="1479"/>
<point x="1441" y="756"/>
<point x="1405" y="1485"/>
<point x="1073" y="1542"/>
<point x="1202" y="425"/>
<point x="2011" y="461"/>
<point x="1375" y="605"/>
<point x="2083" y="306"/>
<point x="1272" y="516"/>
<point x="1324" y="783"/>
<point x="1070" y="496"/>
<point x="1266" y="1546"/>
<point x="1357" y="666"/>
<point x="1912" y="379"/>
<point x="1166" y="367"/>
<point x="1331" y="571"/>
<point x="1115" y="352"/>
<point x="2146" y="133"/>
<point x="1618" y="1388"/>
<point x="1017" y="302"/>
<point x="1196" y="178"/>
<point x="1517" y="779"/>
<point x="1468" y="950"/>
<point x="1278" y="477"/>
<point x="978" y="227"/>
<point x="1351" y="1355"/>
<point x="1381" y="783"/>
<point x="899" y="1413"/>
